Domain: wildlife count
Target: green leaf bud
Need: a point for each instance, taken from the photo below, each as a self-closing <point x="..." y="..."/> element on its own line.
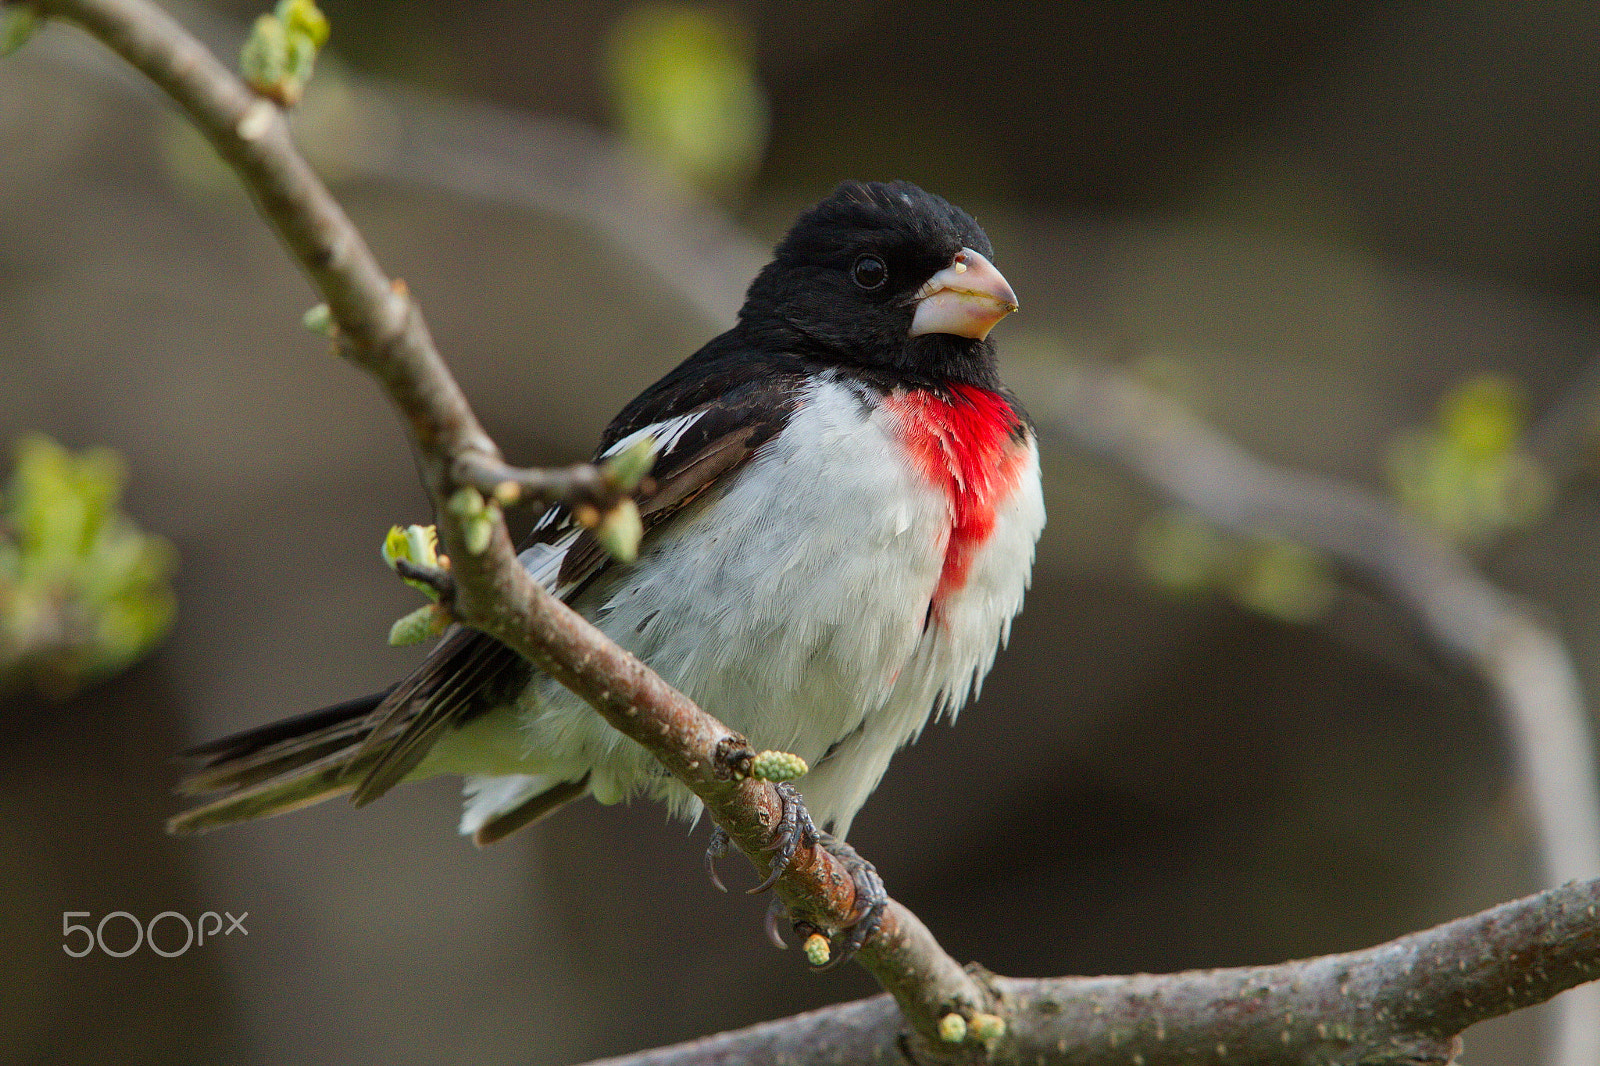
<point x="620" y="530"/>
<point x="422" y="624"/>
<point x="777" y="766"/>
<point x="627" y="468"/>
<point x="952" y="1028"/>
<point x="319" y="320"/>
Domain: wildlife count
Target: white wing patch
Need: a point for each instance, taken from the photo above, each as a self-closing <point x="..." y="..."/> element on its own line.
<point x="543" y="561"/>
<point x="547" y="519"/>
<point x="487" y="796"/>
<point x="667" y="434"/>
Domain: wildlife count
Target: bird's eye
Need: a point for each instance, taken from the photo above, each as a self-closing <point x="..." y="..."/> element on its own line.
<point x="869" y="272"/>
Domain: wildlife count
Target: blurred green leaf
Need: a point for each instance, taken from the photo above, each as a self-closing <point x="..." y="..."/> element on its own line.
<point x="1469" y="475"/>
<point x="83" y="592"/>
<point x="684" y="87"/>
<point x="1484" y="416"/>
<point x="1283" y="580"/>
<point x="18" y="24"/>
<point x="301" y="18"/>
<point x="1184" y="554"/>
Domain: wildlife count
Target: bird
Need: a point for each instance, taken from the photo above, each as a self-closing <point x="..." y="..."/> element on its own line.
<point x="839" y="529"/>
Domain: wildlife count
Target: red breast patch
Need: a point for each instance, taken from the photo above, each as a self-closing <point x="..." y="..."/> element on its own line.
<point x="964" y="446"/>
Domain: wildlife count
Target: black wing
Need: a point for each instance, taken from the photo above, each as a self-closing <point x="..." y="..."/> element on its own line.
<point x="710" y="415"/>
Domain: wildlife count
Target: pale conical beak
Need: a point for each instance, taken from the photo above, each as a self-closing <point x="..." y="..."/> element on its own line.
<point x="966" y="299"/>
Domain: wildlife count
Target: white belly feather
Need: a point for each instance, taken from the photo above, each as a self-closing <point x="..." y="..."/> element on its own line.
<point x="792" y="606"/>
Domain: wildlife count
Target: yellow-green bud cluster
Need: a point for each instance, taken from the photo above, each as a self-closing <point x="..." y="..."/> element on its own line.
<point x="279" y="54"/>
<point x="477" y="516"/>
<point x="776" y="766"/>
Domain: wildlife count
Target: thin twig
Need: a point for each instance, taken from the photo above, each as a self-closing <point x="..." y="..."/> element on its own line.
<point x="435" y="578"/>
<point x="582" y="484"/>
<point x="1109" y="413"/>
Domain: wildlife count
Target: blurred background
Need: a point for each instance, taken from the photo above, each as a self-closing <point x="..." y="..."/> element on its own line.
<point x="1311" y="224"/>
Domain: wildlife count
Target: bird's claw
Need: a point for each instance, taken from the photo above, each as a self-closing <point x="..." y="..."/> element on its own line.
<point x="776" y="913"/>
<point x="871" y="900"/>
<point x="793" y="829"/>
<point x="716" y="849"/>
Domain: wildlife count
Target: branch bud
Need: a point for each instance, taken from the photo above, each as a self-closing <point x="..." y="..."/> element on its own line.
<point x="620" y="530"/>
<point x="477" y="515"/>
<point x="625" y="470"/>
<point x="417" y="545"/>
<point x="319" y="320"/>
<point x="423" y="624"/>
<point x="278" y="56"/>
<point x="479" y="531"/>
<point x="987" y="1028"/>
<point x="778" y="766"/>
<point x="466" y="503"/>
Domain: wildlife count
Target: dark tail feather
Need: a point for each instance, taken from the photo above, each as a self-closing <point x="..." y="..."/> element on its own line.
<point x="529" y="811"/>
<point x="279" y="767"/>
<point x="466" y="673"/>
<point x="364" y="747"/>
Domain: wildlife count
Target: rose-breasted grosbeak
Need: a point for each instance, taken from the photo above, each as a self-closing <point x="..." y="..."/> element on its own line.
<point x="841" y="528"/>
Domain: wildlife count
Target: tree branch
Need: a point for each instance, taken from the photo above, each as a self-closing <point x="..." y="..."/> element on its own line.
<point x="582" y="484"/>
<point x="381" y="329"/>
<point x="1402" y="1002"/>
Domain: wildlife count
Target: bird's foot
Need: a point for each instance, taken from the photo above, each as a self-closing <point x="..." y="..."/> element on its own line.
<point x="716" y="849"/>
<point x="871" y="900"/>
<point x="866" y="914"/>
<point x="794" y="828"/>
